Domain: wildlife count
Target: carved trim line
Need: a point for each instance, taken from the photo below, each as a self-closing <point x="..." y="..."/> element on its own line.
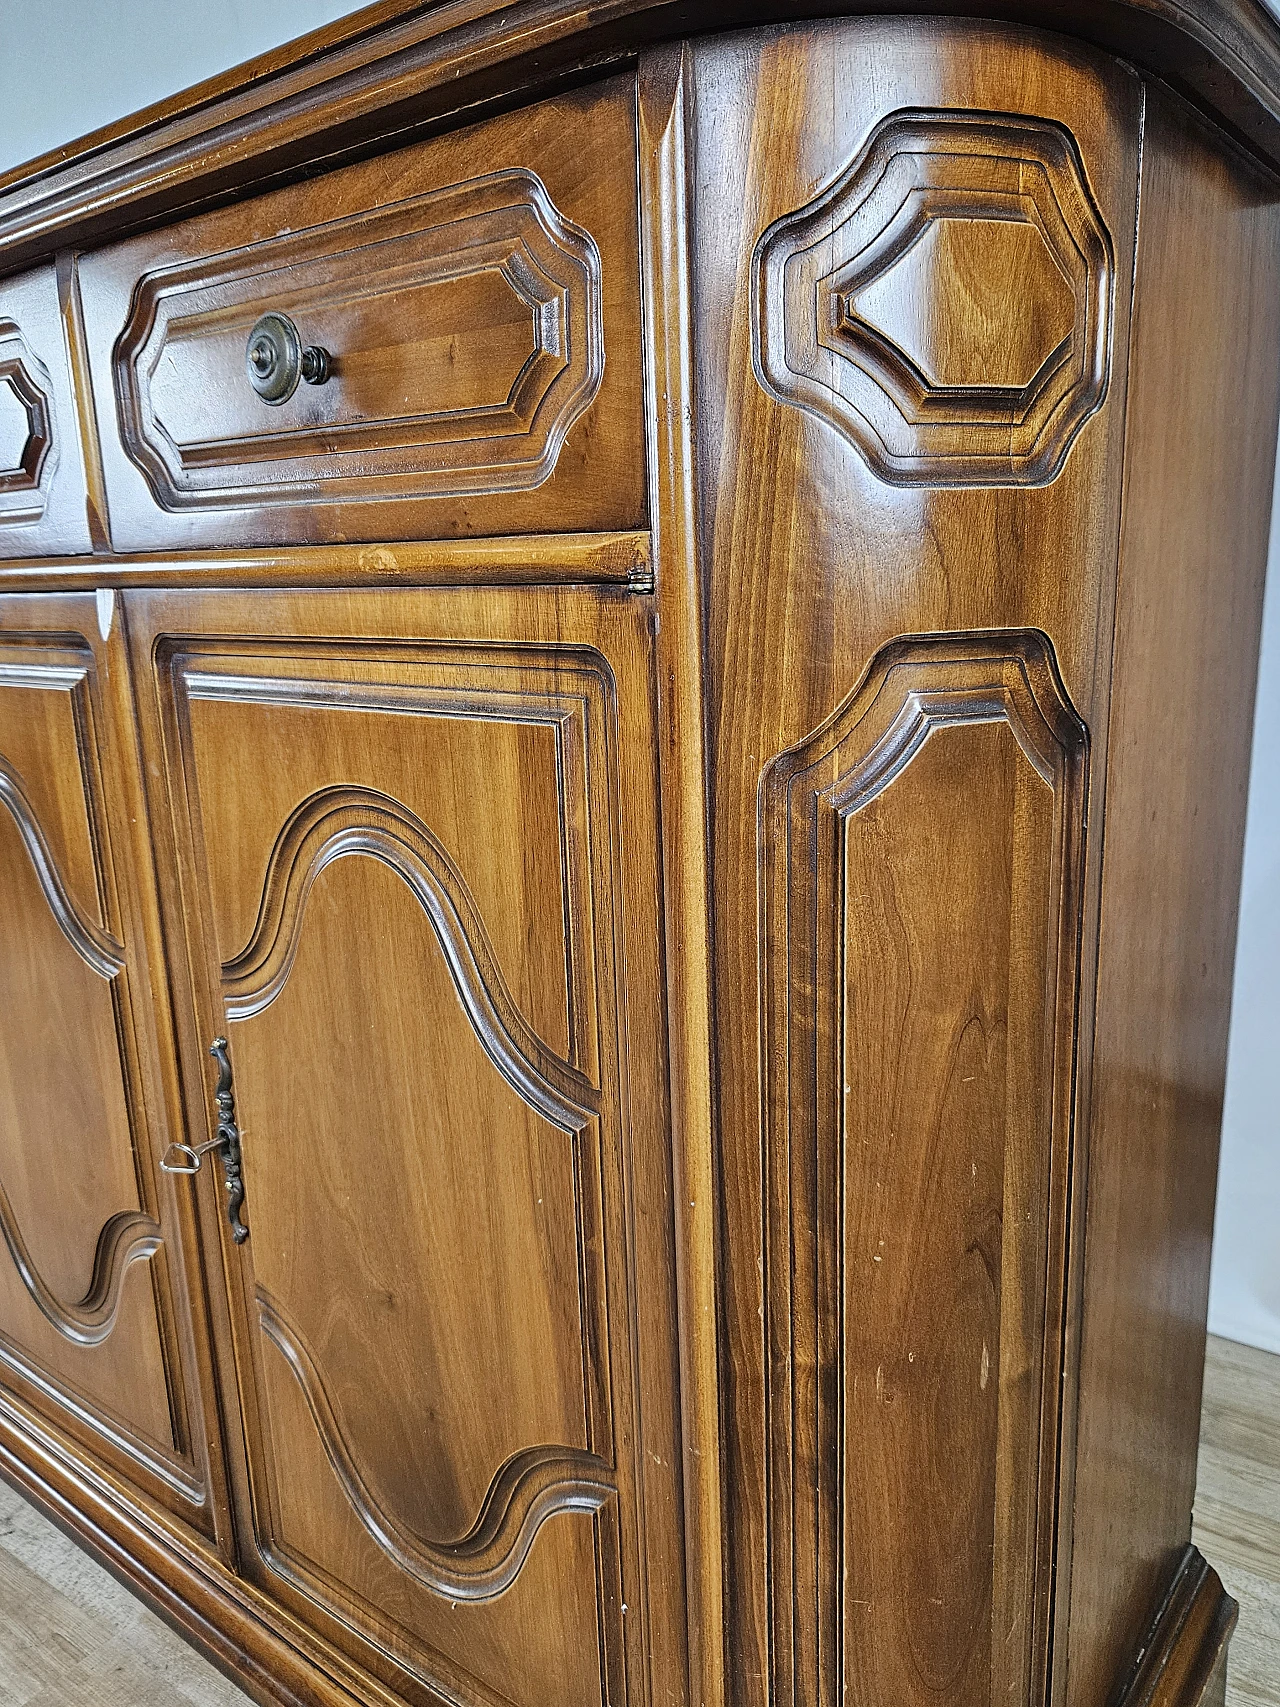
<point x="24" y="485"/>
<point x="1184" y="1651"/>
<point x="96" y="947"/>
<point x="124" y="1239"/>
<point x="532" y="1486"/>
<point x="335" y="823"/>
<point x="1025" y="690"/>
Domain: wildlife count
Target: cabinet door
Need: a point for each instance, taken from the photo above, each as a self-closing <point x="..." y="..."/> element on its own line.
<point x="91" y="1330"/>
<point x="415" y="841"/>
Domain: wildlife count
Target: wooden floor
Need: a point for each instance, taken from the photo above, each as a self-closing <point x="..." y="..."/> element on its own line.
<point x="70" y="1636"/>
<point x="1237" y="1521"/>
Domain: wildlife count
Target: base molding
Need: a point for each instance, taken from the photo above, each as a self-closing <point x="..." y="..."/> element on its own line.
<point x="199" y="1598"/>
<point x="1183" y="1661"/>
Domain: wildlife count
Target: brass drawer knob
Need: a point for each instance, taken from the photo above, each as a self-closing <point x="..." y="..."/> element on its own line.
<point x="276" y="359"/>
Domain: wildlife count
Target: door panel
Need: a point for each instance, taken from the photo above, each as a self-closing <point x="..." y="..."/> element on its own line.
<point x="407" y="857"/>
<point x="89" y="1329"/>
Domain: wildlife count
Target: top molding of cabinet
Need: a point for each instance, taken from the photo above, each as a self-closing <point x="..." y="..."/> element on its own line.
<point x="399" y="69"/>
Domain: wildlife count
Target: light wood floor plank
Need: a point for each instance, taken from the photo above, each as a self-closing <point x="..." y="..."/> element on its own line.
<point x="71" y="1636"/>
<point x="1237" y="1516"/>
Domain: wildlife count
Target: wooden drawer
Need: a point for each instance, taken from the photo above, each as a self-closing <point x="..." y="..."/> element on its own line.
<point x="42" y="487"/>
<point x="477" y="297"/>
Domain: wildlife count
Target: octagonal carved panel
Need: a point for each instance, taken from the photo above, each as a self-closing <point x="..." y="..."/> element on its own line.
<point x="27" y="456"/>
<point x="946" y="303"/>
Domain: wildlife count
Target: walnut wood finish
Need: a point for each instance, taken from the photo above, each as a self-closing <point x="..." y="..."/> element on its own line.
<point x="42" y="484"/>
<point x="897" y="1349"/>
<point x="1193" y="552"/>
<point x="701" y="777"/>
<point x="609" y="559"/>
<point x="478" y="297"/>
<point x="1184" y="1658"/>
<point x="396" y="68"/>
<point x="453" y="1321"/>
<point x="93" y="1337"/>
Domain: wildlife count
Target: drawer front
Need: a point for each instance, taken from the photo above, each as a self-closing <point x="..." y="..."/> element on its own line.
<point x="42" y="487"/>
<point x="476" y="300"/>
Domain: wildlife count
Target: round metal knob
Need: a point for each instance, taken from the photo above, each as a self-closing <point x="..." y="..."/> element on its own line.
<point x="276" y="359"/>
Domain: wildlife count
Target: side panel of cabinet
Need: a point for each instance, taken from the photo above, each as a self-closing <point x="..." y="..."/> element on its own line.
<point x="920" y="924"/>
<point x="94" y="1335"/>
<point x="1193" y="565"/>
<point x="421" y="880"/>
<point x="912" y="274"/>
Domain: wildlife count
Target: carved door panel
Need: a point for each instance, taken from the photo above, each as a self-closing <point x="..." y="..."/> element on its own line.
<point x="91" y="1329"/>
<point x="427" y="929"/>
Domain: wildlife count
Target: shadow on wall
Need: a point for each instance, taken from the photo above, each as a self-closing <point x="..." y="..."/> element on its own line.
<point x="1244" y="1293"/>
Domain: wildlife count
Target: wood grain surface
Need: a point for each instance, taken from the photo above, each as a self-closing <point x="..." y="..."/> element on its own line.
<point x="1193" y="554"/>
<point x="813" y="574"/>
<point x="395" y="68"/>
<point x="97" y="1330"/>
<point x="453" y="1320"/>
<point x="693" y="788"/>
<point x="478" y="296"/>
<point x="70" y="1633"/>
<point x="43" y="498"/>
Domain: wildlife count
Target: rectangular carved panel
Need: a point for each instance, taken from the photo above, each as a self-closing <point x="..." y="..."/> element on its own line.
<point x="477" y="301"/>
<point x="500" y="348"/>
<point x="921" y="857"/>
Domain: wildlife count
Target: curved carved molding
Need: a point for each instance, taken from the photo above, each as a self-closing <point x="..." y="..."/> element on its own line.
<point x="1183" y="1653"/>
<point x="1002" y="675"/>
<point x="946" y="303"/>
<point x="532" y="1486"/>
<point x="499" y="236"/>
<point x="336" y="823"/>
<point x="24" y="483"/>
<point x="96" y="947"/>
<point x="124" y="1239"/>
<point x="421" y="69"/>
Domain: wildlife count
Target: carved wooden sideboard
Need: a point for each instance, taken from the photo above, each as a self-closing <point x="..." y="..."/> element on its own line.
<point x="627" y="639"/>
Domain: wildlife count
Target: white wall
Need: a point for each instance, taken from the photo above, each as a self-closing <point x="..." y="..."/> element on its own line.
<point x="1244" y="1294"/>
<point x="72" y="65"/>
